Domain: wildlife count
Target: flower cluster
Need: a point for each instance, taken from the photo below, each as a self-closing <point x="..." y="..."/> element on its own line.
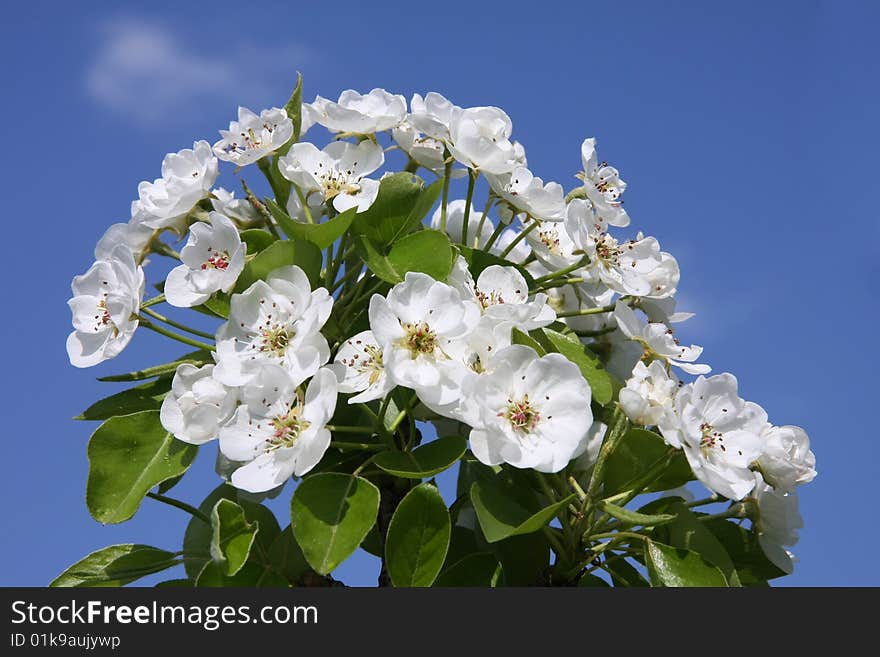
<point x="478" y="346"/>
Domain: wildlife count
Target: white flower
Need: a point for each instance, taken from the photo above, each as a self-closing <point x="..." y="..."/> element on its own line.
<point x="432" y="115"/>
<point x="787" y="461"/>
<point x="520" y="251"/>
<point x="336" y="173"/>
<point x="274" y="321"/>
<point x="360" y="368"/>
<point x="187" y="177"/>
<point x="414" y="325"/>
<point x="197" y="406"/>
<point x="663" y="310"/>
<point x="455" y="223"/>
<point x="523" y="192"/>
<point x="552" y="246"/>
<point x="534" y="412"/>
<point x="663" y="279"/>
<point x="503" y="295"/>
<point x="719" y="432"/>
<point x="212" y="260"/>
<point x="358" y="114"/>
<point x="777" y="523"/>
<point x="595" y="436"/>
<point x="133" y="235"/>
<point x="648" y="395"/>
<point x="425" y="151"/>
<point x="278" y="431"/>
<point x="253" y="137"/>
<point x="603" y="186"/>
<point x="237" y="209"/>
<point x="625" y="267"/>
<point x="659" y="341"/>
<point x="480" y="139"/>
<point x="105" y="303"/>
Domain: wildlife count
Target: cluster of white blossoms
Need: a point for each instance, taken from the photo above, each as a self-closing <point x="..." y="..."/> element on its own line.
<point x="558" y="260"/>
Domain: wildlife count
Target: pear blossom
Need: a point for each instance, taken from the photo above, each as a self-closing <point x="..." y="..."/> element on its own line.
<point x="358" y="114"/>
<point x="603" y="186"/>
<point x="595" y="436"/>
<point x="414" y="325"/>
<point x="198" y="405"/>
<point x="480" y="139"/>
<point x="254" y="136"/>
<point x="777" y="523"/>
<point x="187" y="178"/>
<point x="275" y="321"/>
<point x="624" y="267"/>
<point x="335" y="174"/>
<point x="105" y="303"/>
<point x="648" y="395"/>
<point x="135" y="236"/>
<point x="663" y="310"/>
<point x="425" y="151"/>
<point x="533" y="412"/>
<point x="240" y="210"/>
<point x="212" y="260"/>
<point x="524" y="193"/>
<point x="719" y="432"/>
<point x="503" y="295"/>
<point x="658" y="341"/>
<point x="432" y="115"/>
<point x="663" y="279"/>
<point x="786" y="460"/>
<point x="278" y="431"/>
<point x="552" y="246"/>
<point x="359" y="367"/>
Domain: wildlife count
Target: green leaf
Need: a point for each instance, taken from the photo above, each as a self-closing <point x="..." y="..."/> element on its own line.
<point x="257" y="240"/>
<point x="624" y="574"/>
<point x="670" y="566"/>
<point x="636" y="453"/>
<point x="427" y="251"/>
<point x="321" y="235"/>
<point x="400" y="206"/>
<point x="116" y="565"/>
<point x="752" y="565"/>
<point x="251" y="575"/>
<point x="687" y="532"/>
<point x="524" y="558"/>
<point x="281" y="254"/>
<point x="286" y="556"/>
<point x="502" y="515"/>
<point x="218" y="305"/>
<point x="128" y="455"/>
<point x="478" y="260"/>
<point x="198" y="536"/>
<point x="175" y="583"/>
<point x="481" y="569"/>
<point x="425" y="461"/>
<point x="520" y="337"/>
<point x="331" y="514"/>
<point x="232" y="536"/>
<point x="635" y="518"/>
<point x="198" y="357"/>
<point x="294" y="111"/>
<point x="145" y="397"/>
<point x="589" y="364"/>
<point x="592" y="581"/>
<point x="418" y="537"/>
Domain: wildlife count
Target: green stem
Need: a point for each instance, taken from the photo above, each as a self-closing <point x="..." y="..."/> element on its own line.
<point x="587" y="311"/>
<point x="366" y="447"/>
<point x="519" y="238"/>
<point x="170" y="501"/>
<point x="403" y="413"/>
<point x="337" y="428"/>
<point x="613" y="436"/>
<point x="354" y="273"/>
<point x="159" y="298"/>
<point x="494" y="236"/>
<point x="557" y="283"/>
<point x="177" y="325"/>
<point x="472" y="181"/>
<point x="641" y="537"/>
<point x="489" y="202"/>
<point x="302" y="200"/>
<point x="175" y="336"/>
<point x="562" y="272"/>
<point x="447" y="174"/>
<point x="738" y="510"/>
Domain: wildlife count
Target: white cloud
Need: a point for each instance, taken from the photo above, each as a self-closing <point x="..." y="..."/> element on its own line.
<point x="148" y="72"/>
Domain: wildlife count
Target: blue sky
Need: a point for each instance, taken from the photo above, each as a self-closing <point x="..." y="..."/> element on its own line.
<point x="747" y="133"/>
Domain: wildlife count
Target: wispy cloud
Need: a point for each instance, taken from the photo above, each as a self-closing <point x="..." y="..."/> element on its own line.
<point x="148" y="72"/>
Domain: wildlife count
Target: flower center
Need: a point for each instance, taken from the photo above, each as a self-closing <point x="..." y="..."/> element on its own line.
<point x="372" y="364"/>
<point x="550" y="239"/>
<point x="288" y="427"/>
<point x="335" y="182"/>
<point x="607" y="250"/>
<point x="419" y="339"/>
<point x="711" y="439"/>
<point x="217" y="260"/>
<point x="275" y="339"/>
<point x="493" y="298"/>
<point x="521" y="414"/>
